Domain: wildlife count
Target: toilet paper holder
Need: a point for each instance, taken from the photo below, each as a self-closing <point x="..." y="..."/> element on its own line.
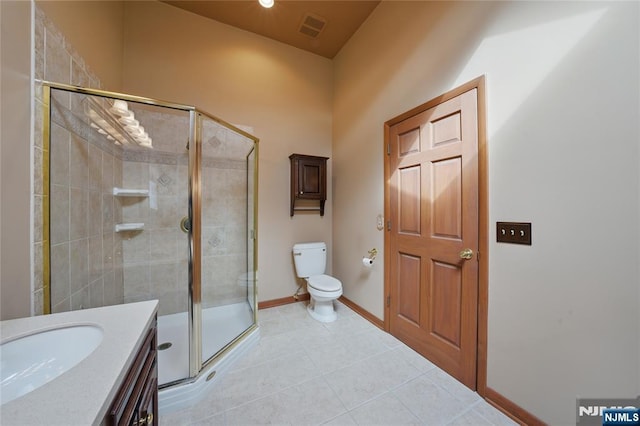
<point x="368" y="261"/>
<point x="373" y="253"/>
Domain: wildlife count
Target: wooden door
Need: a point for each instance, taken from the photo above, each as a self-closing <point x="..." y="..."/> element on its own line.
<point x="432" y="178"/>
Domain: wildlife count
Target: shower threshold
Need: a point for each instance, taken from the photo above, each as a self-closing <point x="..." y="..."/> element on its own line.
<point x="220" y="325"/>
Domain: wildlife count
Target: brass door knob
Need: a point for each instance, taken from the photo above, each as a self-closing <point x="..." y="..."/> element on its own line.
<point x="466" y="254"/>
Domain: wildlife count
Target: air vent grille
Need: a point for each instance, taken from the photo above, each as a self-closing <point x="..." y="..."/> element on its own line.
<point x="312" y="25"/>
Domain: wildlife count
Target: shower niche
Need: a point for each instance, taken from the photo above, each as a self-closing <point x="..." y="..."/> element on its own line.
<point x="120" y="174"/>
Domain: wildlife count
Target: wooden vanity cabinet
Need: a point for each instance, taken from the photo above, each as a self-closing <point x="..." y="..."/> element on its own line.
<point x="136" y="403"/>
<point x="308" y="181"/>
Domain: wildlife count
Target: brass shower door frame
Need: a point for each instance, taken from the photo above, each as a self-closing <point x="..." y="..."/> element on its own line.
<point x="196" y="365"/>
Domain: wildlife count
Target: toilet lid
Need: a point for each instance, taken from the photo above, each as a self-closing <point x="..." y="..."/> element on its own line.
<point x="324" y="283"/>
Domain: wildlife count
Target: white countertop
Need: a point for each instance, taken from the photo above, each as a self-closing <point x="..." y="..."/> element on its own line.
<point x="82" y="395"/>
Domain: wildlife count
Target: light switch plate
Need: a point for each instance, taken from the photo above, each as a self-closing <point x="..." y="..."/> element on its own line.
<point x="513" y="232"/>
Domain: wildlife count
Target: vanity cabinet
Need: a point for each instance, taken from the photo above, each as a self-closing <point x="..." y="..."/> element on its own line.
<point x="308" y="181"/>
<point x="136" y="403"/>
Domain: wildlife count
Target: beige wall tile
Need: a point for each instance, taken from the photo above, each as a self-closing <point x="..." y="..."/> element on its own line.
<point x="166" y="178"/>
<point x="95" y="258"/>
<point x="96" y="293"/>
<point x="107" y="173"/>
<point x="135" y="175"/>
<point x="78" y="162"/>
<point x="37" y="267"/>
<point x="59" y="205"/>
<point x="136" y="279"/>
<point x="108" y="261"/>
<point x="79" y="213"/>
<point x="162" y="244"/>
<point x="37" y="219"/>
<point x="81" y="299"/>
<point x="78" y="265"/>
<point x="95" y="167"/>
<point x="37" y="166"/>
<point x="63" y="306"/>
<point x="95" y="213"/>
<point x="57" y="59"/>
<point x="60" y="278"/>
<point x="108" y="213"/>
<point x="135" y="247"/>
<point x="59" y="155"/>
<point x="110" y="294"/>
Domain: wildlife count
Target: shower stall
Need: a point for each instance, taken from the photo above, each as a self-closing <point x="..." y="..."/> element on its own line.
<point x="145" y="199"/>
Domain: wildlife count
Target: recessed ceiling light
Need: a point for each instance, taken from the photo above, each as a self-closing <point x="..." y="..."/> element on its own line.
<point x="266" y="3"/>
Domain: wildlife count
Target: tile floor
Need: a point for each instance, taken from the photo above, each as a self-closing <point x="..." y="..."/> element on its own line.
<point x="348" y="372"/>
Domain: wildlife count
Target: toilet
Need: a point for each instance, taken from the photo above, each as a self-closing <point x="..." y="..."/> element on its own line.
<point x="310" y="260"/>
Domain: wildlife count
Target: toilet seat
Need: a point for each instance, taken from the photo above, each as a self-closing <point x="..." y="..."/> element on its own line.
<point x="324" y="283"/>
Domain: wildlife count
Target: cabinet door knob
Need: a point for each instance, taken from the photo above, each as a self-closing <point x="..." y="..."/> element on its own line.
<point x="148" y="420"/>
<point x="301" y="192"/>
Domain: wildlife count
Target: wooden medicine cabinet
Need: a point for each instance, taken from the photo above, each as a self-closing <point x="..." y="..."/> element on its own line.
<point x="308" y="181"/>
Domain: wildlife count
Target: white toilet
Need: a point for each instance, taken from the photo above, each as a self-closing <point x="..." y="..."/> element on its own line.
<point x="310" y="260"/>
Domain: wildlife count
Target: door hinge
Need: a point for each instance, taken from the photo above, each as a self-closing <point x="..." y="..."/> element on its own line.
<point x="388" y="301"/>
<point x="388" y="225"/>
<point x="388" y="149"/>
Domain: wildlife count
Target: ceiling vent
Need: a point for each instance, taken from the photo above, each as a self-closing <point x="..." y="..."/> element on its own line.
<point x="312" y="25"/>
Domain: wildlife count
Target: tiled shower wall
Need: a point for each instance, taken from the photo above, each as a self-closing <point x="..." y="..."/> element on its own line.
<point x="85" y="257"/>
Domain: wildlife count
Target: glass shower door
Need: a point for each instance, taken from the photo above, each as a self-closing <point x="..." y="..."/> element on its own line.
<point x="118" y="189"/>
<point x="156" y="257"/>
<point x="227" y="235"/>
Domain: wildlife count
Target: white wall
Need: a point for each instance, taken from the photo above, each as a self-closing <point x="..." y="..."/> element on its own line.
<point x="15" y="157"/>
<point x="283" y="93"/>
<point x="95" y="32"/>
<point x="563" y="140"/>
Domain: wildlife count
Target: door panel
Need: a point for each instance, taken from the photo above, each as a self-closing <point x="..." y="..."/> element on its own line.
<point x="446" y="129"/>
<point x="445" y="303"/>
<point x="409" y="295"/>
<point x="409" y="142"/>
<point x="446" y="198"/>
<point x="433" y="204"/>
<point x="409" y="205"/>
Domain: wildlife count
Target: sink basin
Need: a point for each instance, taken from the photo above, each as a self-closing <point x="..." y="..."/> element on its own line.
<point x="30" y="361"/>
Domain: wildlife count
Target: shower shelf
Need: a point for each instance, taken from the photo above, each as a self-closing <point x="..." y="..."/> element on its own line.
<point x="123" y="192"/>
<point x="121" y="227"/>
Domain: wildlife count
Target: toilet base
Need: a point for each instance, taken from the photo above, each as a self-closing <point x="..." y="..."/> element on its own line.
<point x="322" y="310"/>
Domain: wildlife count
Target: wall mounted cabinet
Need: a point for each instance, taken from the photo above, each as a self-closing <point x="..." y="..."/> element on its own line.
<point x="308" y="181"/>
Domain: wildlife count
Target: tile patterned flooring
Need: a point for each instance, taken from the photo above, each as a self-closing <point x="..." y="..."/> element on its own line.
<point x="348" y="372"/>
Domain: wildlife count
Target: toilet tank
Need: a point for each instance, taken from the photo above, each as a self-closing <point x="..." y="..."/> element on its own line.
<point x="310" y="259"/>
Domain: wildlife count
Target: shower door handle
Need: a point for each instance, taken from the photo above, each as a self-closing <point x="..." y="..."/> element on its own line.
<point x="185" y="224"/>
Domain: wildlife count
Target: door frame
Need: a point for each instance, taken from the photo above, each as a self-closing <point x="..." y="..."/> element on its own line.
<point x="483" y="218"/>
